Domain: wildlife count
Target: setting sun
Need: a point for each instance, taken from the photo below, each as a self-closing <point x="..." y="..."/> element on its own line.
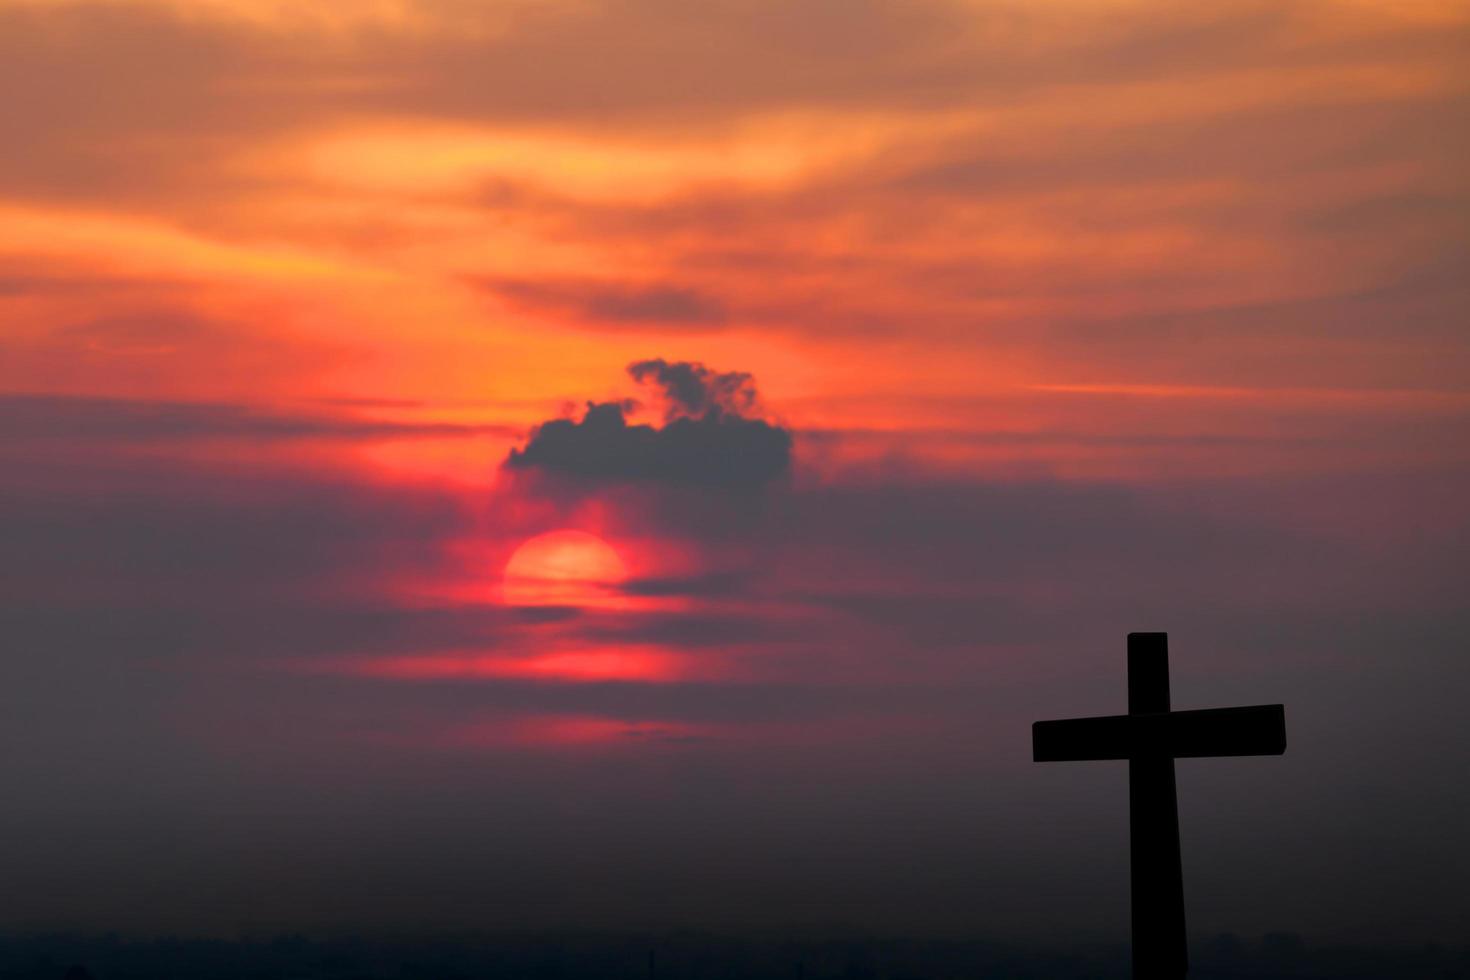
<point x="563" y="568"/>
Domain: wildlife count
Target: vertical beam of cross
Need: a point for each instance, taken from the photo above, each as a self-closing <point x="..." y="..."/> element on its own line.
<point x="1159" y="948"/>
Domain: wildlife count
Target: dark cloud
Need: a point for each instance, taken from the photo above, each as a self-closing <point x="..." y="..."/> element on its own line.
<point x="709" y="439"/>
<point x="710" y="585"/>
<point x="694" y="391"/>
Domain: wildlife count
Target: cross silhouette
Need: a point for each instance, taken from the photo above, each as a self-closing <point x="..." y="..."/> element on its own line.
<point x="1151" y="737"/>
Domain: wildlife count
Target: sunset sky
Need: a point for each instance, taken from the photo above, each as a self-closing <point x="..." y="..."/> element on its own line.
<point x="488" y="463"/>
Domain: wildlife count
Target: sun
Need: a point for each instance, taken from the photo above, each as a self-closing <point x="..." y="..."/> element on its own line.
<point x="563" y="568"/>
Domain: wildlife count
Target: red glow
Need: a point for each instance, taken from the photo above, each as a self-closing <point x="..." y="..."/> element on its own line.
<point x="606" y="664"/>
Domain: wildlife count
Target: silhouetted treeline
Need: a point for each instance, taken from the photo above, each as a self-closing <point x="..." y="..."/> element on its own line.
<point x="689" y="956"/>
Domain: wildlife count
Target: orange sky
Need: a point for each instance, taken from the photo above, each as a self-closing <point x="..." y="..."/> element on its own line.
<point x="1067" y="319"/>
<point x="1081" y="236"/>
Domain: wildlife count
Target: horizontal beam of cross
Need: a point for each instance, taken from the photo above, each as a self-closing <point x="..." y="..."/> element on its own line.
<point x="1255" y="730"/>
